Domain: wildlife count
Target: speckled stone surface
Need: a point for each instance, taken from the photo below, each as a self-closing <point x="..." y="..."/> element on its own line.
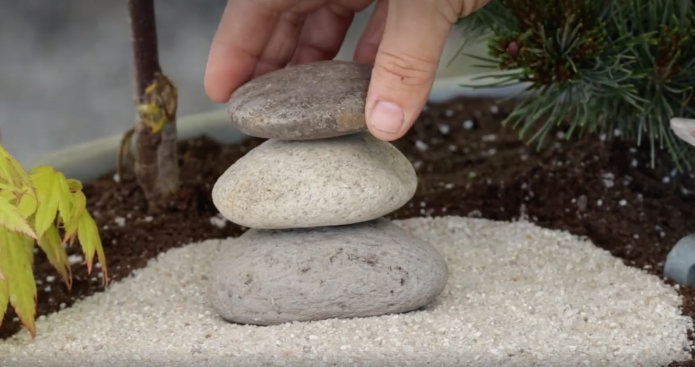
<point x="269" y="277"/>
<point x="309" y="101"/>
<point x="297" y="184"/>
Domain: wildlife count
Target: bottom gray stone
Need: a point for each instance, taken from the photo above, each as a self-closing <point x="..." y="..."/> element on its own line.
<point x="680" y="261"/>
<point x="268" y="277"/>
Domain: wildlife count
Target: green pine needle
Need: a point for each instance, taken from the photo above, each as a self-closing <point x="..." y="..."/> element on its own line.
<point x="600" y="65"/>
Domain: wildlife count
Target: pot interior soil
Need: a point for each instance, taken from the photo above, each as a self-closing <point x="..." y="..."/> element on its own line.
<point x="468" y="164"/>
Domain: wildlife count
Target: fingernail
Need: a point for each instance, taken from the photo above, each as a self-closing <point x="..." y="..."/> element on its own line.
<point x="387" y="117"/>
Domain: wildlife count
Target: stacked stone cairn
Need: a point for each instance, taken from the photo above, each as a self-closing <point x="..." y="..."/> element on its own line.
<point x="314" y="196"/>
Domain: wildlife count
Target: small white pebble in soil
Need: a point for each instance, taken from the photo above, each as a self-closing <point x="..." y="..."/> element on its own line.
<point x="106" y="227"/>
<point x="444" y="129"/>
<point x="47" y="289"/>
<point x="218" y="221"/>
<point x="421" y="146"/>
<point x="636" y="236"/>
<point x="148" y="218"/>
<point x="116" y="178"/>
<point x="417" y="164"/>
<point x="524" y="157"/>
<point x="449" y="186"/>
<point x="62" y="305"/>
<point x="599" y="202"/>
<point x="492" y="151"/>
<point x="74" y="259"/>
<point x="475" y="214"/>
<point x="120" y="221"/>
<point x="622" y="202"/>
<point x="468" y="124"/>
<point x="489" y="137"/>
<point x="449" y="113"/>
<point x="662" y="234"/>
<point x="634" y="162"/>
<point x="50" y="278"/>
<point x="452" y="148"/>
<point x="494" y="109"/>
<point x="602" y="137"/>
<point x="560" y="135"/>
<point x="617" y="132"/>
<point x="666" y="179"/>
<point x="608" y="179"/>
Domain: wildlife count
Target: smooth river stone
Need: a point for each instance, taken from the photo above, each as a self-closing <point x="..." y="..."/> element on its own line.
<point x="308" y="101"/>
<point x="298" y="184"/>
<point x="268" y="277"/>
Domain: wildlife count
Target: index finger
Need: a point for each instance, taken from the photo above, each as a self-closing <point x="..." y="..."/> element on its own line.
<point x="245" y="29"/>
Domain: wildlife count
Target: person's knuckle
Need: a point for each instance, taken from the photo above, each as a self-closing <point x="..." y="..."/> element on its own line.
<point x="471" y="6"/>
<point x="450" y="9"/>
<point x="411" y="70"/>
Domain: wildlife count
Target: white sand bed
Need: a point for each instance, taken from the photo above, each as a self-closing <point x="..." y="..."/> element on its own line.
<point x="518" y="295"/>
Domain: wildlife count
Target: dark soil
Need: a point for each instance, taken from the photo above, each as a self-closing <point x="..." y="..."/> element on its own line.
<point x="467" y="164"/>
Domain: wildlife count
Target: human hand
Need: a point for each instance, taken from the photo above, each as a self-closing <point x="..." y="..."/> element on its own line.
<point x="404" y="40"/>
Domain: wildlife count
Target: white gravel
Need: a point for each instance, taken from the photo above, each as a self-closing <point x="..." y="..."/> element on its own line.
<point x="518" y="295"/>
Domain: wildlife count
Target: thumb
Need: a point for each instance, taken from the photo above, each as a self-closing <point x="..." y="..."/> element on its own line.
<point x="406" y="63"/>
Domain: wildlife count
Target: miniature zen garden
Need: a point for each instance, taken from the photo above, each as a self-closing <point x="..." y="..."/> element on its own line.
<point x="549" y="228"/>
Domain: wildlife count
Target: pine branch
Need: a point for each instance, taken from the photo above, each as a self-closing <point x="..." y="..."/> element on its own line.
<point x="156" y="163"/>
<point x="600" y="66"/>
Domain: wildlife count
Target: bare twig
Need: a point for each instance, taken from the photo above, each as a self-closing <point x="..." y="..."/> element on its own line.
<point x="156" y="164"/>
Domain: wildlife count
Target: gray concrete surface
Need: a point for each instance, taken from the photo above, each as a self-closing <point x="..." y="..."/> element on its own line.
<point x="66" y="73"/>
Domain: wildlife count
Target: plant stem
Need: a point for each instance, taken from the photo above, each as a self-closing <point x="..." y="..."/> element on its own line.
<point x="156" y="164"/>
<point x="143" y="31"/>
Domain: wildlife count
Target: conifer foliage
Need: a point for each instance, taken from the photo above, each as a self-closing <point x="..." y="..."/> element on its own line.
<point x="603" y="66"/>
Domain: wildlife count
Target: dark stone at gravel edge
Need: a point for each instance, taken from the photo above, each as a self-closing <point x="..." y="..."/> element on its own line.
<point x="578" y="186"/>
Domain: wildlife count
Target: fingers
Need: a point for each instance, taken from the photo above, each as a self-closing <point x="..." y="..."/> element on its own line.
<point x="405" y="65"/>
<point x="282" y="44"/>
<point x="368" y="45"/>
<point x="323" y="34"/>
<point x="245" y="29"/>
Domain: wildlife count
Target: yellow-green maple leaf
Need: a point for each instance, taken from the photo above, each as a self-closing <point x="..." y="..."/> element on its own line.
<point x="27" y="206"/>
<point x="4" y="296"/>
<point x="79" y="206"/>
<point x="88" y="234"/>
<point x="16" y="255"/>
<point x="75" y="185"/>
<point x="54" y="198"/>
<point x="11" y="171"/>
<point x="11" y="218"/>
<point x="52" y="245"/>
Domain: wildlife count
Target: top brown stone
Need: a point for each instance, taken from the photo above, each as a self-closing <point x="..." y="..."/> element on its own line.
<point x="309" y="101"/>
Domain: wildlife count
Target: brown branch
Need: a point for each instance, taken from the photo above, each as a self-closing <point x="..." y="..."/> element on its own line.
<point x="156" y="164"/>
<point x="143" y="32"/>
